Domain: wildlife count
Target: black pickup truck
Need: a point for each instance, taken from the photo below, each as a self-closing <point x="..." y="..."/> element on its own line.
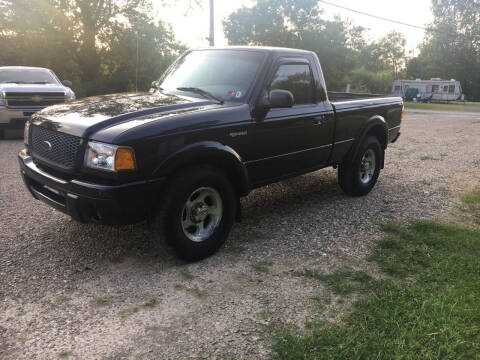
<point x="219" y="123"/>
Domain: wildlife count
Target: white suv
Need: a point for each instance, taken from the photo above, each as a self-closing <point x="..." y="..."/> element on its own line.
<point x="25" y="90"/>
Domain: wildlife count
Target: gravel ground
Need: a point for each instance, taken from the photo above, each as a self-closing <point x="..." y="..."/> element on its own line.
<point x="81" y="291"/>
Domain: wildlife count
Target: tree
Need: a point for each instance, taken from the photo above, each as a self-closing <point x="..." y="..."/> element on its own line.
<point x="451" y="48"/>
<point x="298" y="24"/>
<point x="390" y="50"/>
<point x="92" y="42"/>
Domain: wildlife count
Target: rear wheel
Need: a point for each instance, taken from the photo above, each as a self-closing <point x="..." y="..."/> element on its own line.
<point x="358" y="176"/>
<point x="196" y="213"/>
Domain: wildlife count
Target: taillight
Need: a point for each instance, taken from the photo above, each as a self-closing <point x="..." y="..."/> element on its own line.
<point x="401" y="113"/>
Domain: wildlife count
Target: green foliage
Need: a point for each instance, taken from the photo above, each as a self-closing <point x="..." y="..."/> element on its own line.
<point x="452" y="46"/>
<point x="364" y="80"/>
<point x="429" y="310"/>
<point x="91" y="42"/>
<point x="340" y="46"/>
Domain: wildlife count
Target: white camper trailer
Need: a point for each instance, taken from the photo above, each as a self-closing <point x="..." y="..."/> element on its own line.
<point x="434" y="89"/>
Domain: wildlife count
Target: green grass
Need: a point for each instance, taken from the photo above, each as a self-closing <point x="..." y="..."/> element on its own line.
<point x="442" y="107"/>
<point x="428" y="157"/>
<point x="195" y="291"/>
<point x="150" y="303"/>
<point x="262" y="266"/>
<point x="102" y="301"/>
<point x="64" y="354"/>
<point x="472" y="202"/>
<point x="342" y="282"/>
<point x="128" y="311"/>
<point x="428" y="308"/>
<point x="186" y="275"/>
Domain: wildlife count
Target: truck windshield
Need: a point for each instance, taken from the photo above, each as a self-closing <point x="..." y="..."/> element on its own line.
<point x="27" y="76"/>
<point x="225" y="74"/>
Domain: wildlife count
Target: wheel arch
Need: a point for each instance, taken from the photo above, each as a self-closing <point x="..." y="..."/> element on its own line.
<point x="375" y="126"/>
<point x="210" y="153"/>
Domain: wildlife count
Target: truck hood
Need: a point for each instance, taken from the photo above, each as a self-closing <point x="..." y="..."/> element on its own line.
<point x="90" y="115"/>
<point x="11" y="87"/>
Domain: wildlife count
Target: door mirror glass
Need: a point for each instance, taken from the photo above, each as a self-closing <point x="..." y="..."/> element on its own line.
<point x="280" y="99"/>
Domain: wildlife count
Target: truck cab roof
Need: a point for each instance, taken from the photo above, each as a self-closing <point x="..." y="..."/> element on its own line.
<point x="23" y="68"/>
<point x="266" y="49"/>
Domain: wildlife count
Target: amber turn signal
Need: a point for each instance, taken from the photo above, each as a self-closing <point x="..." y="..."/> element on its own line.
<point x="125" y="159"/>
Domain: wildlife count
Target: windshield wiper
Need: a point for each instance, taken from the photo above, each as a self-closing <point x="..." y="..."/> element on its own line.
<point x="13" y="82"/>
<point x="40" y="82"/>
<point x="202" y="92"/>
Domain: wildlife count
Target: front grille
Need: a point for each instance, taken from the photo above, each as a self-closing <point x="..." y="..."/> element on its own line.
<point x="55" y="147"/>
<point x="19" y="100"/>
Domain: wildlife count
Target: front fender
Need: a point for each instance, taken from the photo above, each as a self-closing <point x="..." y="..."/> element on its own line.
<point x="212" y="153"/>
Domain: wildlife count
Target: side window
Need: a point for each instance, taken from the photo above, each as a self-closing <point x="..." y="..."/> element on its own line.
<point x="296" y="78"/>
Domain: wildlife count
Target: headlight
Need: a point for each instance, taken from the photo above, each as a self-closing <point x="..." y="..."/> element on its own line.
<point x="69" y="96"/>
<point x="109" y="157"/>
<point x="26" y="131"/>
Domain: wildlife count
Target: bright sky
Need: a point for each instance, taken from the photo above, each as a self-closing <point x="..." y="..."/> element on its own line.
<point x="192" y="26"/>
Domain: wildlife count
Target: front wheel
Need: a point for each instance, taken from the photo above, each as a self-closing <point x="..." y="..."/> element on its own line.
<point x="196" y="213"/>
<point x="357" y="177"/>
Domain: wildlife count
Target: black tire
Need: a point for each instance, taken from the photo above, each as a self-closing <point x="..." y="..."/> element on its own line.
<point x="167" y="224"/>
<point x="349" y="172"/>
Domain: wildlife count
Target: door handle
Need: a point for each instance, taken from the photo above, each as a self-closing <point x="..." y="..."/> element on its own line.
<point x="319" y="120"/>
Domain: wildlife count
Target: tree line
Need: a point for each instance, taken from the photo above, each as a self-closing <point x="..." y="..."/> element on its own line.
<point x="94" y="42"/>
<point x="91" y="42"/>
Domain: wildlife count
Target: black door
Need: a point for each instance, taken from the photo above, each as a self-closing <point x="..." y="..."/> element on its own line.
<point x="293" y="140"/>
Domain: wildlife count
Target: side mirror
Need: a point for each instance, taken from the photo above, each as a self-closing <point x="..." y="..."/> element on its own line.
<point x="67" y="83"/>
<point x="280" y="99"/>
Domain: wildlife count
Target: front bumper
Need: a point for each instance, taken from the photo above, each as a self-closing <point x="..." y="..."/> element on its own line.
<point x="88" y="202"/>
<point x="14" y="118"/>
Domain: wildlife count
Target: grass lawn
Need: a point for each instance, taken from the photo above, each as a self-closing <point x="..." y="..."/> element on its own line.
<point x="426" y="307"/>
<point x="470" y="107"/>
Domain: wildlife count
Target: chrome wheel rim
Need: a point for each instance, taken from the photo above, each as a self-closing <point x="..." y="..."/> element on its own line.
<point x="201" y="214"/>
<point x="367" y="166"/>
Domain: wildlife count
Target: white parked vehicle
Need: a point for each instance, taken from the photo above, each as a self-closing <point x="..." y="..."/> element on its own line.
<point x="25" y="90"/>
<point x="433" y="89"/>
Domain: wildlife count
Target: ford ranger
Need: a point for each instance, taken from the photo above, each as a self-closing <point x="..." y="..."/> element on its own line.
<point x="25" y="90"/>
<point x="219" y="123"/>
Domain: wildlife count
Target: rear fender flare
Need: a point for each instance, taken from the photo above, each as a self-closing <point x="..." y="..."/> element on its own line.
<point x="377" y="125"/>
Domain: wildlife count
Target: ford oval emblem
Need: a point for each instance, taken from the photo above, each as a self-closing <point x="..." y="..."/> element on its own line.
<point x="47" y="145"/>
